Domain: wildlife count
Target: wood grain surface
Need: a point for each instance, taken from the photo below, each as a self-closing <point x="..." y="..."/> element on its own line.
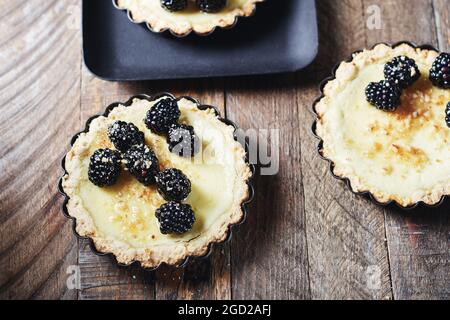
<point x="306" y="237"/>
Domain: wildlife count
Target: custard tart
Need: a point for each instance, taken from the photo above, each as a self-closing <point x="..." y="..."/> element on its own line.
<point x="183" y="17"/>
<point x="382" y="124"/>
<point x="139" y="197"/>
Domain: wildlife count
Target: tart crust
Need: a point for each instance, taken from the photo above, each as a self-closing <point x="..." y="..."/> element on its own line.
<point x="399" y="157"/>
<point x="173" y="250"/>
<point x="182" y="23"/>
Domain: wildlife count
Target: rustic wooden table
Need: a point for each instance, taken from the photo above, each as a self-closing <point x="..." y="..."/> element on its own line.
<point x="307" y="236"/>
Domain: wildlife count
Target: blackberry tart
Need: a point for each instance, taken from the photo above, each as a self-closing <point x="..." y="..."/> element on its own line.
<point x="139" y="201"/>
<point x="182" y="17"/>
<point x="383" y="126"/>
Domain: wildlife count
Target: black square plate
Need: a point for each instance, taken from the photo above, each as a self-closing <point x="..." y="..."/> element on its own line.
<point x="280" y="37"/>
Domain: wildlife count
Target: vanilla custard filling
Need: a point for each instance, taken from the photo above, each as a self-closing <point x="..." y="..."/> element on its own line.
<point x="398" y="155"/>
<point x="126" y="211"/>
<point x="141" y="9"/>
<point x="191" y="14"/>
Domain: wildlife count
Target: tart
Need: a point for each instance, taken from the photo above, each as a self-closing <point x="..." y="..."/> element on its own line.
<point x="183" y="22"/>
<point x="400" y="154"/>
<point x="127" y="216"/>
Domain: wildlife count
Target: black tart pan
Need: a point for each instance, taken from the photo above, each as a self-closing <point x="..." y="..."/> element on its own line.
<point x="331" y="163"/>
<point x="232" y="228"/>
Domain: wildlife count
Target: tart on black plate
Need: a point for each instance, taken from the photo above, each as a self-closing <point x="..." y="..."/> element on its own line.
<point x="182" y="17"/>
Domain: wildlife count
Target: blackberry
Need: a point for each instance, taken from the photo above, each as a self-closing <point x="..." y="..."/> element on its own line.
<point x="384" y="95"/>
<point x="211" y="6"/>
<point x="104" y="167"/>
<point x="175" y="217"/>
<point x="447" y="115"/>
<point x="174" y="5"/>
<point x="142" y="163"/>
<point x="162" y="115"/>
<point x="125" y="135"/>
<point x="183" y="141"/>
<point x="173" y="185"/>
<point x="440" y="72"/>
<point x="402" y="71"/>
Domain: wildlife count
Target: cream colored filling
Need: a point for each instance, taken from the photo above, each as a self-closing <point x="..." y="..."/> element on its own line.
<point x="400" y="155"/>
<point x="126" y="211"/>
<point x="142" y="9"/>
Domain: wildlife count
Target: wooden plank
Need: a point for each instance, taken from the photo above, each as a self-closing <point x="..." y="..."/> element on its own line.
<point x="419" y="253"/>
<point x="201" y="279"/>
<point x="345" y="233"/>
<point x="442" y="18"/>
<point x="55" y="287"/>
<point x="40" y="107"/>
<point x="415" y="23"/>
<point x="269" y="252"/>
<point x="101" y="278"/>
<point x="418" y="241"/>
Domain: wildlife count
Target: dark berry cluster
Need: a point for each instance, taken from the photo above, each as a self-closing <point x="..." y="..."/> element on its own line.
<point x="402" y="71"/>
<point x="209" y="6"/>
<point x="175" y="217"/>
<point x="173" y="185"/>
<point x="104" y="167"/>
<point x="174" y="5"/>
<point x="142" y="163"/>
<point x="162" y="115"/>
<point x="440" y="71"/>
<point x="162" y="118"/>
<point x="440" y="77"/>
<point x="125" y="135"/>
<point x="138" y="158"/>
<point x="182" y="140"/>
<point x="384" y="95"/>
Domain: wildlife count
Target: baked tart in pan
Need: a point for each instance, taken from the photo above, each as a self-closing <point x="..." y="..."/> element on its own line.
<point x="156" y="180"/>
<point x="383" y="122"/>
<point x="181" y="17"/>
